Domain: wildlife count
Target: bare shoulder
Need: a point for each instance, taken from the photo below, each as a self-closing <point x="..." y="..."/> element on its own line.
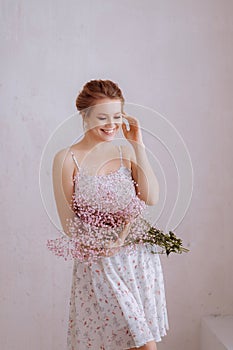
<point x="63" y="159"/>
<point x="128" y="153"/>
<point x="62" y="155"/>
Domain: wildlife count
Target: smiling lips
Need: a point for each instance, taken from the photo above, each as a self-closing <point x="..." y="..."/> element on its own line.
<point x="108" y="131"/>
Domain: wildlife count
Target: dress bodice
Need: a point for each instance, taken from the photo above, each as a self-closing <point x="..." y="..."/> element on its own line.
<point x="110" y="192"/>
<point x="108" y="212"/>
<point x="106" y="200"/>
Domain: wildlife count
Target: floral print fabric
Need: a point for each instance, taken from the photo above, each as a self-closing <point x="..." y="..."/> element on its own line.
<point x="117" y="302"/>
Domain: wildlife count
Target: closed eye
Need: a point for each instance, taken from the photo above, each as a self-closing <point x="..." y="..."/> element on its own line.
<point x="116" y="117"/>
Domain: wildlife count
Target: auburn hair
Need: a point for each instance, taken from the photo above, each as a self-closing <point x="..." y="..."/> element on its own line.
<point x="97" y="89"/>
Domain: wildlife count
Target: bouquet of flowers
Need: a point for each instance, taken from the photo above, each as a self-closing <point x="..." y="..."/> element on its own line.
<point x="94" y="233"/>
<point x="89" y="247"/>
<point x="169" y="242"/>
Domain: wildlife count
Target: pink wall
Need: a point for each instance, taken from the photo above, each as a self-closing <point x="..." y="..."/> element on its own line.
<point x="173" y="56"/>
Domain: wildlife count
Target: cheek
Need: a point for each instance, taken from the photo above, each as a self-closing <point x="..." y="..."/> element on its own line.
<point x="119" y="124"/>
<point x="96" y="125"/>
<point x="101" y="123"/>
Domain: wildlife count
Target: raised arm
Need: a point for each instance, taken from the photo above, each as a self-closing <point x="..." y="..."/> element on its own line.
<point x="148" y="186"/>
<point x="63" y="186"/>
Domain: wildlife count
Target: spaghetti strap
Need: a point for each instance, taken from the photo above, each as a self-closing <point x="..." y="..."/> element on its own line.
<point x="75" y="160"/>
<point x="120" y="155"/>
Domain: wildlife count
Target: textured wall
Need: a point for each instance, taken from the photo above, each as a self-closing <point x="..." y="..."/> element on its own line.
<point x="173" y="56"/>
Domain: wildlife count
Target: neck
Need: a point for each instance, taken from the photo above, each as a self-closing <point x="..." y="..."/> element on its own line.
<point x="89" y="142"/>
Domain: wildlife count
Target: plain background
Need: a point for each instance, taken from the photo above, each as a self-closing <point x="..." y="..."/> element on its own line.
<point x="174" y="56"/>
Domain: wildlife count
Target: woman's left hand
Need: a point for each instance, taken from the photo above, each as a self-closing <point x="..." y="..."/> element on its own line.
<point x="112" y="248"/>
<point x="134" y="133"/>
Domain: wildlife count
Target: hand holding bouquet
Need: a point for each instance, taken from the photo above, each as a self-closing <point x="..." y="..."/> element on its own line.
<point x="94" y="244"/>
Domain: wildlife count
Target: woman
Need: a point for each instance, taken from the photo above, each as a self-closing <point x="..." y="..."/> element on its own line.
<point x="117" y="299"/>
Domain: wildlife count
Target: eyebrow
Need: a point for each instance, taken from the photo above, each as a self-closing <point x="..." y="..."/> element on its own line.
<point x="107" y="113"/>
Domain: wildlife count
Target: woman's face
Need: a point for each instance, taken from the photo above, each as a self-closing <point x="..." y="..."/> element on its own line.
<point x="104" y="119"/>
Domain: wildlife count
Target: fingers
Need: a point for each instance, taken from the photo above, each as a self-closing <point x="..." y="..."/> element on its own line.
<point x="123" y="125"/>
<point x="129" y="117"/>
<point x="131" y="120"/>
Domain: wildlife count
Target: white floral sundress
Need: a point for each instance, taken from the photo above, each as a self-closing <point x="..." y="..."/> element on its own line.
<point x="117" y="302"/>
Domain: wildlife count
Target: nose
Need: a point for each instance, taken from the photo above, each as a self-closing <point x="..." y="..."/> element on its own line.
<point x="110" y="121"/>
<point x="110" y="124"/>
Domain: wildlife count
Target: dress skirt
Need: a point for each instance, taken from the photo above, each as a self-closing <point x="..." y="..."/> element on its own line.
<point x="117" y="302"/>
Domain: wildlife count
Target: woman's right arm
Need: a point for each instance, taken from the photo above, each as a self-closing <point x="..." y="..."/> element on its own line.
<point x="63" y="187"/>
